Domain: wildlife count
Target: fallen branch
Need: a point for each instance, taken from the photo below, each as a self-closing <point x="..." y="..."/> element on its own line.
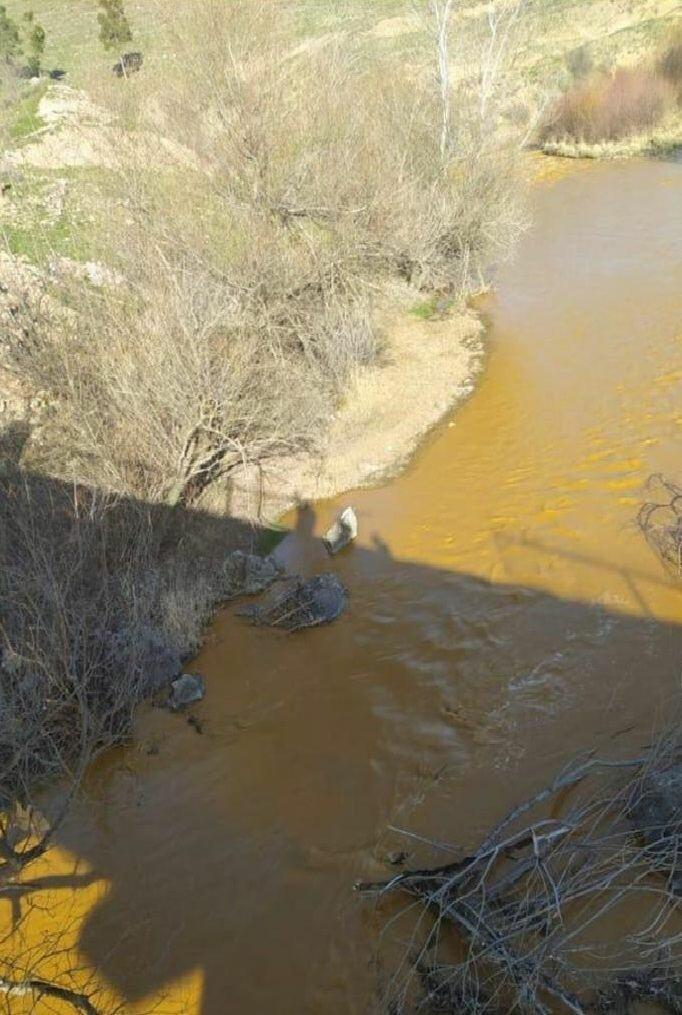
<point x="531" y="901"/>
<point x="38" y="989"/>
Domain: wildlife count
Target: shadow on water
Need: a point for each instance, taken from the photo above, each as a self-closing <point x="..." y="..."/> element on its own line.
<point x="437" y="701"/>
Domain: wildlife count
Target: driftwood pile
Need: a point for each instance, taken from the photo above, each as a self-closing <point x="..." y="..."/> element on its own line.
<point x="571" y="904"/>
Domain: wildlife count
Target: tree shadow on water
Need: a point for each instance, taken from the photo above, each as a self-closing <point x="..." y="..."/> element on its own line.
<point x="231" y="855"/>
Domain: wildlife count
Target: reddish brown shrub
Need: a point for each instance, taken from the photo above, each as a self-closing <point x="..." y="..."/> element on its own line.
<point x="611" y="107"/>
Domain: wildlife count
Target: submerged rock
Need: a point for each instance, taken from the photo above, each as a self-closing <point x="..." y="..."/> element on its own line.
<point x="247" y="574"/>
<point x="186" y="690"/>
<point x="343" y="531"/>
<point x="299" y="603"/>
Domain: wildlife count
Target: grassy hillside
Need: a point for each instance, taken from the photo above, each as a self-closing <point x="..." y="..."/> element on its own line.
<point x="612" y="30"/>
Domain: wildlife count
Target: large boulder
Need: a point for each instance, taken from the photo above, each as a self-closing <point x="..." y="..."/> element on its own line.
<point x="298" y="603"/>
<point x="247" y="574"/>
<point x="186" y="690"/>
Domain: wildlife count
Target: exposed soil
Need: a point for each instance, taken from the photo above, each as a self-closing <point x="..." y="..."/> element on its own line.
<point x="427" y="367"/>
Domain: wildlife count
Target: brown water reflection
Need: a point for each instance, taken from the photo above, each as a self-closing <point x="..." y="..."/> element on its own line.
<point x="504" y="614"/>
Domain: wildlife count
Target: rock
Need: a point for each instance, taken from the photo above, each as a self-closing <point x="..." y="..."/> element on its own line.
<point x="130" y="63"/>
<point x="656" y="813"/>
<point x="343" y="531"/>
<point x="98" y="275"/>
<point x="247" y="574"/>
<point x="299" y="603"/>
<point x="186" y="690"/>
<point x="55" y="199"/>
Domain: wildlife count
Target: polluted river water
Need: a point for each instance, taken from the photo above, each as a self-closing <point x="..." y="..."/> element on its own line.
<point x="505" y="613"/>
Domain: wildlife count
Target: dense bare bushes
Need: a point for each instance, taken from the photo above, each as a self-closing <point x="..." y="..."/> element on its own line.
<point x="610" y="107"/>
<point x="89" y="621"/>
<point x="318" y="179"/>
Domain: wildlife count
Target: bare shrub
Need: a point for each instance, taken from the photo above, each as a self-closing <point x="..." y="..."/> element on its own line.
<point x="610" y="107"/>
<point x="75" y="631"/>
<point x="574" y="910"/>
<point x="670" y="64"/>
<point x="660" y="519"/>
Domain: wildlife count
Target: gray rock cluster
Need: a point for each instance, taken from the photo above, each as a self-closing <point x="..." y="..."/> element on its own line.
<point x="290" y="603"/>
<point x="247" y="574"/>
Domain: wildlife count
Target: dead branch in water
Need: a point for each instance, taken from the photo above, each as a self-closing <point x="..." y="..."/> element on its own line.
<point x="37" y="989"/>
<point x="576" y="911"/>
<point x="660" y="520"/>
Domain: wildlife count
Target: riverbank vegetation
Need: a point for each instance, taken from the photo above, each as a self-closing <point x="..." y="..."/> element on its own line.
<point x="620" y="111"/>
<point x="311" y="178"/>
<point x="300" y="182"/>
<point x="253" y="204"/>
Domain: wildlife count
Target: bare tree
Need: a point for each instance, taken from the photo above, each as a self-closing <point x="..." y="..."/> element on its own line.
<point x="474" y="68"/>
<point x="503" y="19"/>
<point x="441" y="12"/>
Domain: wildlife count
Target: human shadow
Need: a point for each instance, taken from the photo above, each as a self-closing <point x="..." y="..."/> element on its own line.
<point x="230" y="856"/>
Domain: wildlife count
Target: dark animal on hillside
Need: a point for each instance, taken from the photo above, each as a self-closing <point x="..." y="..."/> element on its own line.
<point x="130" y="63"/>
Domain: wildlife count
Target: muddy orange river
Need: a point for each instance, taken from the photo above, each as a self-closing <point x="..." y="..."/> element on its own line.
<point x="505" y="614"/>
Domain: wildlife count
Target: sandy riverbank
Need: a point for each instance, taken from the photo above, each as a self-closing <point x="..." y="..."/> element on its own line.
<point x="426" y="368"/>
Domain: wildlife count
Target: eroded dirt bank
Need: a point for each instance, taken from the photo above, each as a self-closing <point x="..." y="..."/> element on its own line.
<point x="505" y="614"/>
<point x="425" y="369"/>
